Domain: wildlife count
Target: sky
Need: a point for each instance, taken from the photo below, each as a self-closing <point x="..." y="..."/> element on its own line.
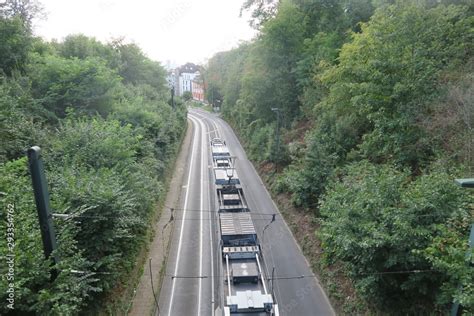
<point x="169" y="31"/>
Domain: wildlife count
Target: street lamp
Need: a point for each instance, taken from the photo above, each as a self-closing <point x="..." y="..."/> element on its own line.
<point x="266" y="226"/>
<point x="465" y="183"/>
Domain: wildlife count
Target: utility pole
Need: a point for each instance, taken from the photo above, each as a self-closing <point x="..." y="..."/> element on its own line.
<point x="40" y="189"/>
<point x="266" y="226"/>
<point x="465" y="183"/>
<point x="277" y="111"/>
<point x="273" y="281"/>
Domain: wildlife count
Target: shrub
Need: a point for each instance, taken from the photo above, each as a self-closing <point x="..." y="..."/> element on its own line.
<point x="378" y="222"/>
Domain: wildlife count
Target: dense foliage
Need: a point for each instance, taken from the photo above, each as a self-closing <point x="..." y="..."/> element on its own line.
<point x="376" y="108"/>
<point x="100" y="113"/>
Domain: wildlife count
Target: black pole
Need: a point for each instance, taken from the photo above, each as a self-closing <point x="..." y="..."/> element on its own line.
<point x="273" y="280"/>
<point x="40" y="189"/>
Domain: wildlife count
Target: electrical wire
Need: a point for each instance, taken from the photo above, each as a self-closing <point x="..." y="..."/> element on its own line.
<point x="299" y="277"/>
<point x="153" y="287"/>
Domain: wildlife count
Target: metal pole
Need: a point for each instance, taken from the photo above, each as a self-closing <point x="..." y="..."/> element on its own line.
<point x="273" y="280"/>
<point x="40" y="189"/>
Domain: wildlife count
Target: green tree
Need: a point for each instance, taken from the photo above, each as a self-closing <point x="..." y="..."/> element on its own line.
<point x="15" y="44"/>
<point x="136" y="68"/>
<point x="262" y="10"/>
<point x="25" y="10"/>
<point x="82" y="47"/>
<point x="187" y="95"/>
<point x="378" y="224"/>
<point x="34" y="294"/>
<point x="88" y="86"/>
<point x="389" y="72"/>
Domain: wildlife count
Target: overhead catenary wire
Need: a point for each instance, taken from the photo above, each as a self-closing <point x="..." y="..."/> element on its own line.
<point x="153" y="286"/>
<point x="305" y="276"/>
<point x="267" y="216"/>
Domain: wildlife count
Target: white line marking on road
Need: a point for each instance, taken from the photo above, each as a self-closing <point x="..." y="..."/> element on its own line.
<point x="200" y="218"/>
<point x="212" y="253"/>
<point x="203" y="125"/>
<point x="183" y="221"/>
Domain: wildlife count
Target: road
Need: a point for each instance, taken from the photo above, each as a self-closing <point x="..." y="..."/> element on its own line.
<point x="194" y="251"/>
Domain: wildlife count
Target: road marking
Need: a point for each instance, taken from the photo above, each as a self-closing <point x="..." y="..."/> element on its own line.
<point x="212" y="254"/>
<point x="201" y="122"/>
<point x="183" y="221"/>
<point x="201" y="219"/>
<point x="203" y="126"/>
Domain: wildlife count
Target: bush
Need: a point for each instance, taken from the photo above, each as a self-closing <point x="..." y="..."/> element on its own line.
<point x="84" y="85"/>
<point x="187" y="95"/>
<point x="378" y="223"/>
<point x="33" y="292"/>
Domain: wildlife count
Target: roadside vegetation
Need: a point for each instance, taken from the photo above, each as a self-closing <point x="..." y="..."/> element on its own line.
<point x="376" y="105"/>
<point x="101" y="114"/>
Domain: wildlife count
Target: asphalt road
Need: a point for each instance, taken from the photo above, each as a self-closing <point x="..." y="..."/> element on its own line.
<point x="193" y="279"/>
<point x="187" y="287"/>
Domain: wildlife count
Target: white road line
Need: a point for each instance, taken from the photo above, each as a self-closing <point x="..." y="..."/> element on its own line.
<point x="203" y="126"/>
<point x="201" y="219"/>
<point x="183" y="221"/>
<point x="211" y="247"/>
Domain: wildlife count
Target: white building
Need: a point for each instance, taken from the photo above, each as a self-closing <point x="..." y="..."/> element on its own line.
<point x="186" y="80"/>
<point x="187" y="73"/>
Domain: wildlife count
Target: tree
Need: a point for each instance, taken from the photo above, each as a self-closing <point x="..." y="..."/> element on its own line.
<point x="15" y="44"/>
<point x="136" y="68"/>
<point x="187" y="95"/>
<point x="390" y="84"/>
<point x="85" y="85"/>
<point x="379" y="223"/>
<point x="25" y="10"/>
<point x="262" y="11"/>
<point x="81" y="46"/>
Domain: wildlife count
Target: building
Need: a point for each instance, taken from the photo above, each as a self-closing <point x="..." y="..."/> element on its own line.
<point x="197" y="89"/>
<point x="185" y="82"/>
<point x="187" y="78"/>
<point x="187" y="73"/>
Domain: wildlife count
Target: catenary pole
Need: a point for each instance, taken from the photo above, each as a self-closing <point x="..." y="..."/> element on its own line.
<point x="41" y="193"/>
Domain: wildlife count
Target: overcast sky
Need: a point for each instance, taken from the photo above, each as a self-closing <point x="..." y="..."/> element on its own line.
<point x="167" y="30"/>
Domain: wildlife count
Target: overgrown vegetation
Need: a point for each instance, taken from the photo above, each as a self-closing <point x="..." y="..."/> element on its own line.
<point x="100" y="113"/>
<point x="377" y="112"/>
